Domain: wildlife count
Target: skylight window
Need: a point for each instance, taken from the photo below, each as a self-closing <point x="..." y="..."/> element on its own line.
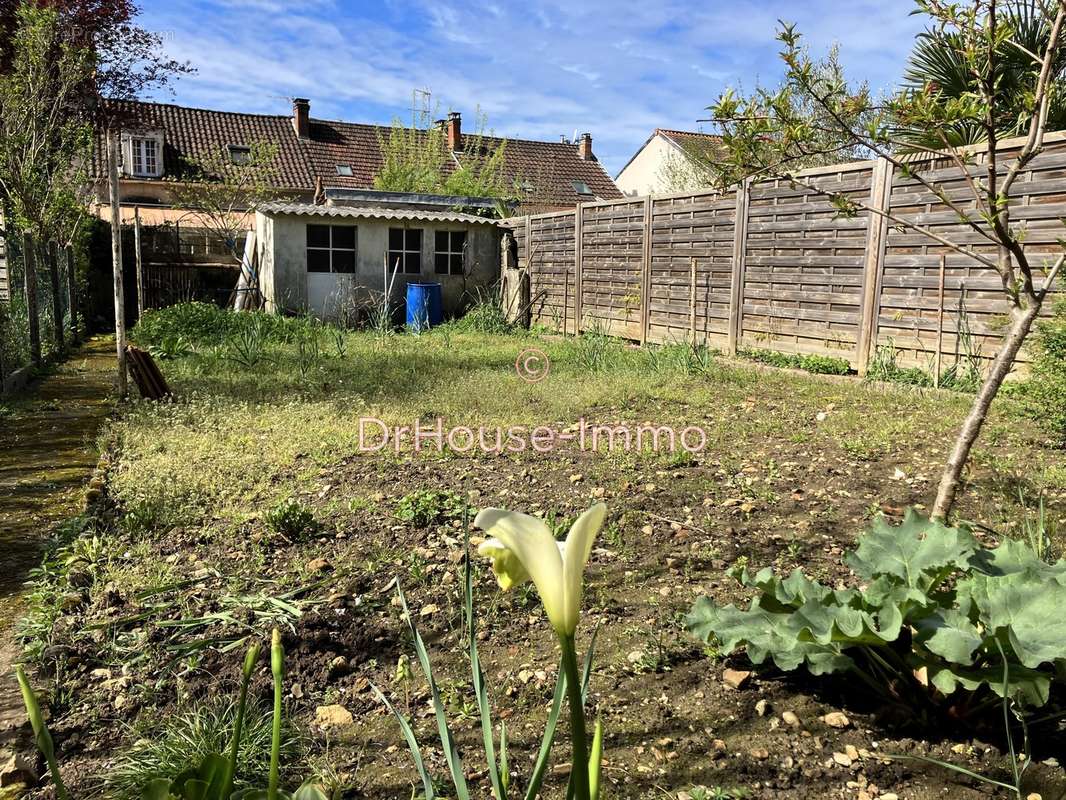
<point x="582" y="188"/>
<point x="239" y="154"/>
<point x="344" y="170"/>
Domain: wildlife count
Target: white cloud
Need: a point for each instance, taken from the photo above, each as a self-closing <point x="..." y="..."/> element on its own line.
<point x="617" y="68"/>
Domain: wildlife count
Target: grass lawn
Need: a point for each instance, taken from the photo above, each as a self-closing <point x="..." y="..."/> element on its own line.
<point x="247" y="504"/>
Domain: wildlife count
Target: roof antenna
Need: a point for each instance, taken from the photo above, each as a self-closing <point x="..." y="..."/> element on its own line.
<point x="575" y="135"/>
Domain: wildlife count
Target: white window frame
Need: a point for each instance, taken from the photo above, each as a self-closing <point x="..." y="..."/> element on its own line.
<point x="135" y="152"/>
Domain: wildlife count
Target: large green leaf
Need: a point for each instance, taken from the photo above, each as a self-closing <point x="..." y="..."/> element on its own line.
<point x="1029" y="605"/>
<point x="918" y="551"/>
<point x="765" y="634"/>
<point x="1028" y="685"/>
<point x="964" y="609"/>
<point x="950" y="634"/>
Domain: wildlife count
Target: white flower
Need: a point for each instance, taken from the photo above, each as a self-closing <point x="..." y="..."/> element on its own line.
<point x="523" y="548"/>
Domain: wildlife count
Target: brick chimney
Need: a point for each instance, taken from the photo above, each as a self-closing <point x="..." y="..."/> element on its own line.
<point x="454" y="129"/>
<point x="301" y="112"/>
<point x="584" y="147"/>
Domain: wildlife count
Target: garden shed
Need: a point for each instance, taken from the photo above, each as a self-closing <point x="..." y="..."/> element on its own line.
<point x="331" y="259"/>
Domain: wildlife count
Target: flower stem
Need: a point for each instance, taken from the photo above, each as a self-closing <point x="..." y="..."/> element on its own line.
<point x="579" y="771"/>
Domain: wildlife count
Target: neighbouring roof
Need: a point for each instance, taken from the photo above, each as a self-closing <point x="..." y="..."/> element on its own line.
<point x="550" y="169"/>
<point x="388" y="214"/>
<point x="692" y="141"/>
<point x="196" y="133"/>
<point x="702" y="146"/>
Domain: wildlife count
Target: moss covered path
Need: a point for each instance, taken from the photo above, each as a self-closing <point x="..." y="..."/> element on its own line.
<point x="47" y="452"/>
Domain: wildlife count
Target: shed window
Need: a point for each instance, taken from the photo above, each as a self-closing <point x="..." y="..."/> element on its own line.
<point x="331" y="248"/>
<point x="405" y="247"/>
<point x="448" y="253"/>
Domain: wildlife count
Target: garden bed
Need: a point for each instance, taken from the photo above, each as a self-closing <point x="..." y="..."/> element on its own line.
<point x="247" y="500"/>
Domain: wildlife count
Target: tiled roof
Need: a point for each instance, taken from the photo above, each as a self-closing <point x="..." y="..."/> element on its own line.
<point x="347" y="212"/>
<point x="196" y="133"/>
<point x="706" y="145"/>
<point x="549" y="167"/>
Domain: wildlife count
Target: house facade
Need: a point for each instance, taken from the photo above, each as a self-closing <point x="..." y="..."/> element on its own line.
<point x="669" y="161"/>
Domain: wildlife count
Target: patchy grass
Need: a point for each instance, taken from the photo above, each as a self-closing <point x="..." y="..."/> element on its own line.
<point x="203" y="494"/>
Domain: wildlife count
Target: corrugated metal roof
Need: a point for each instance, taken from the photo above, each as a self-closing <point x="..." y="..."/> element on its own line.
<point x="404" y="214"/>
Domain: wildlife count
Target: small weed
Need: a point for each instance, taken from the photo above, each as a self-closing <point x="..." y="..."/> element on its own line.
<point x="429" y="506"/>
<point x="175" y="741"/>
<point x="292" y="519"/>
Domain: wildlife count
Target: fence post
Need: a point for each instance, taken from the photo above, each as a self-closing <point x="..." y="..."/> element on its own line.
<point x="137" y="254"/>
<point x="116" y="264"/>
<point x="30" y="286"/>
<point x="57" y="298"/>
<point x="72" y="294"/>
<point x="578" y="287"/>
<point x="645" y="274"/>
<point x="876" y="235"/>
<point x="740" y="240"/>
<point x="692" y="300"/>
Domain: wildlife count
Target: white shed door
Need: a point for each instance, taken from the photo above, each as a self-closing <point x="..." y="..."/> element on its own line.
<point x="329" y="293"/>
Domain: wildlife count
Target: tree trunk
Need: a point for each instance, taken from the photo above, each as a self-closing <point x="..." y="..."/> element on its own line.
<point x="116" y="261"/>
<point x="971" y="428"/>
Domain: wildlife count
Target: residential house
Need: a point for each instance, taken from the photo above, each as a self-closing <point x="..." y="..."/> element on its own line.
<point x="161" y="144"/>
<point x="669" y="161"/>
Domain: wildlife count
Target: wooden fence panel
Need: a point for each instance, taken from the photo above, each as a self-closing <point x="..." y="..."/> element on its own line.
<point x="975" y="309"/>
<point x="684" y="228"/>
<point x="552" y="280"/>
<point x="775" y="266"/>
<point x="803" y="266"/>
<point x="612" y="267"/>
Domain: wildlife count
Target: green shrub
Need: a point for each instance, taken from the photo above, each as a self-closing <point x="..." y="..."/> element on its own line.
<point x="485" y="315"/>
<point x="429" y="506"/>
<point x="822" y="365"/>
<point x="204" y="324"/>
<point x="292" y="519"/>
<point x="935" y="602"/>
<point x="1044" y="393"/>
<point x="825" y="365"/>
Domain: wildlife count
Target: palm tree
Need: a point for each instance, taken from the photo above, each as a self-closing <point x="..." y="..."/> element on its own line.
<point x="938" y="67"/>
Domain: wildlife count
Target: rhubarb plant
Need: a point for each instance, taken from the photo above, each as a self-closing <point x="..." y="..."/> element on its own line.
<point x="934" y="619"/>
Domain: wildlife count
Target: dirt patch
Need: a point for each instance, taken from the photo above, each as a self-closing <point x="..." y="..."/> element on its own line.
<point x="792" y="473"/>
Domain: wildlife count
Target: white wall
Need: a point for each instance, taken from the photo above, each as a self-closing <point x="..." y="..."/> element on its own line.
<point x="282" y="240"/>
<point x="643" y="174"/>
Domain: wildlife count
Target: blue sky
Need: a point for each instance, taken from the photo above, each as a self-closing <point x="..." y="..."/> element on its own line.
<point x="537" y="68"/>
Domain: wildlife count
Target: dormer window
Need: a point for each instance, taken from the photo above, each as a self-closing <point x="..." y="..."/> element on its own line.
<point x="344" y="170"/>
<point x="142" y="154"/>
<point x="240" y="154"/>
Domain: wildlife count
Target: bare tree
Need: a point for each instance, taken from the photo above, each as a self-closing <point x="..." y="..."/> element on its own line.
<point x="765" y="135"/>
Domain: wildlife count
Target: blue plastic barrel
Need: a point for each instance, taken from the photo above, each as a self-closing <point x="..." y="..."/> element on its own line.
<point x="424" y="306"/>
